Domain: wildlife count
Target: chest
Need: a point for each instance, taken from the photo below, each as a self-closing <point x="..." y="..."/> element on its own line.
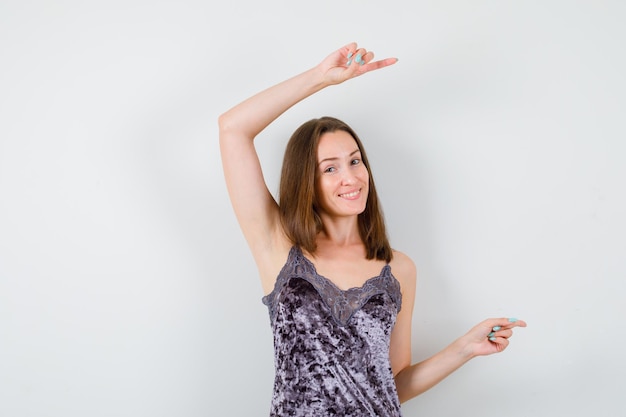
<point x="312" y="304"/>
<point x="299" y="287"/>
<point x="347" y="270"/>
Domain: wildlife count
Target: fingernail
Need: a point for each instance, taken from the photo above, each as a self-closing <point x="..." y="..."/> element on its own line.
<point x="495" y="329"/>
<point x="349" y="62"/>
<point x="512" y="319"/>
<point x="350" y="55"/>
<point x="358" y="58"/>
<point x="493" y="339"/>
<point x="491" y="334"/>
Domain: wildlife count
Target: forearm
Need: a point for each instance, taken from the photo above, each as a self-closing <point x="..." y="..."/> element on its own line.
<point x="253" y="115"/>
<point x="487" y="337"/>
<point x="420" y="377"/>
<point x="249" y="118"/>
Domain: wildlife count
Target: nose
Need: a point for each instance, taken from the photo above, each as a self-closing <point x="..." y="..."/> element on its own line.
<point x="348" y="177"/>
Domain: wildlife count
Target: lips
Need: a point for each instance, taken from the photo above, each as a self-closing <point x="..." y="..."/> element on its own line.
<point x="351" y="195"/>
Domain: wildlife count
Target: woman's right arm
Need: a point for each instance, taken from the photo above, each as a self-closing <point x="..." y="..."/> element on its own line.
<point x="254" y="206"/>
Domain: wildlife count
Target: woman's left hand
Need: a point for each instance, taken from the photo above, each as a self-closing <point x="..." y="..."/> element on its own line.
<point x="491" y="336"/>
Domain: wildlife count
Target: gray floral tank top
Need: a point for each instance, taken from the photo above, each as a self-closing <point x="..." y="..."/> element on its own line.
<point x="331" y="347"/>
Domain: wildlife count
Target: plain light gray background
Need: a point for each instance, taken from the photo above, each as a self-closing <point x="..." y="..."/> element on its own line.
<point x="497" y="143"/>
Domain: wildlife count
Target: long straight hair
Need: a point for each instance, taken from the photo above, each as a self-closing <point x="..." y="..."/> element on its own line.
<point x="299" y="209"/>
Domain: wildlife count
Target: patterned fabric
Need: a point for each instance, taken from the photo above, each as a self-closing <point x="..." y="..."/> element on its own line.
<point x="331" y="347"/>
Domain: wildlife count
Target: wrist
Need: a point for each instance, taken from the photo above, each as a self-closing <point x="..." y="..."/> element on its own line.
<point x="463" y="349"/>
<point x="318" y="78"/>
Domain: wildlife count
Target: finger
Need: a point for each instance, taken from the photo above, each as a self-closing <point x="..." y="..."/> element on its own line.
<point x="500" y="342"/>
<point x="350" y="47"/>
<point x="496" y="332"/>
<point x="380" y="64"/>
<point x="362" y="55"/>
<point x="505" y="323"/>
<point x="356" y="58"/>
<point x="500" y="328"/>
<point x="502" y="333"/>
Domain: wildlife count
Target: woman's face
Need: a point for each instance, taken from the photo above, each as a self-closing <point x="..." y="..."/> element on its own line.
<point x="342" y="180"/>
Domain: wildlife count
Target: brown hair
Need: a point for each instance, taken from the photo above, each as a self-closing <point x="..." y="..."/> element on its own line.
<point x="298" y="201"/>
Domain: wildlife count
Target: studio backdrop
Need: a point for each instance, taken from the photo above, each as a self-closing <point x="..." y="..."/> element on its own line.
<point x="496" y="143"/>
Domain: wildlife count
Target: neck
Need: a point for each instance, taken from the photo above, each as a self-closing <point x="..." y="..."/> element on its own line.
<point x="341" y="231"/>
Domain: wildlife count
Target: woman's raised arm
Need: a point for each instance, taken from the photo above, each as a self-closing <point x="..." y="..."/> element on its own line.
<point x="254" y="206"/>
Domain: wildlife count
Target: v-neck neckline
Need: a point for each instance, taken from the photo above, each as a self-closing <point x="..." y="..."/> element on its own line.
<point x="383" y="272"/>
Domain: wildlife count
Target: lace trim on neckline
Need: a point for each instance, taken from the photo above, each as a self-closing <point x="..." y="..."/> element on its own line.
<point x="342" y="303"/>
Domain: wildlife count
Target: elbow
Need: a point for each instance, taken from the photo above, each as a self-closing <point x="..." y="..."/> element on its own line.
<point x="405" y="385"/>
<point x="223" y="122"/>
<point x="401" y="387"/>
<point x="233" y="129"/>
<point x="229" y="126"/>
<point x="226" y="128"/>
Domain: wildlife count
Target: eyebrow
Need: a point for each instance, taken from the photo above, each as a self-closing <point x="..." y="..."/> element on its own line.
<point x="336" y="158"/>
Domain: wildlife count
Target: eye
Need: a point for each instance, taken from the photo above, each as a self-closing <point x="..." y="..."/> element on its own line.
<point x="355" y="161"/>
<point x="330" y="169"/>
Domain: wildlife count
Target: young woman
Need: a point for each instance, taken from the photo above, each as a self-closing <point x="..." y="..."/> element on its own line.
<point x="340" y="298"/>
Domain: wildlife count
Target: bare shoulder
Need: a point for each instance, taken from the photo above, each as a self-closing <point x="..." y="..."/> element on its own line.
<point x="404" y="269"/>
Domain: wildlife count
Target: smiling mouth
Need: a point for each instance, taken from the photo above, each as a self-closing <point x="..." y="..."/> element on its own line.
<point x="350" y="195"/>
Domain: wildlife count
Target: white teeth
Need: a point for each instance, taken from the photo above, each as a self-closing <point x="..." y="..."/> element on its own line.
<point x="350" y="195"/>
